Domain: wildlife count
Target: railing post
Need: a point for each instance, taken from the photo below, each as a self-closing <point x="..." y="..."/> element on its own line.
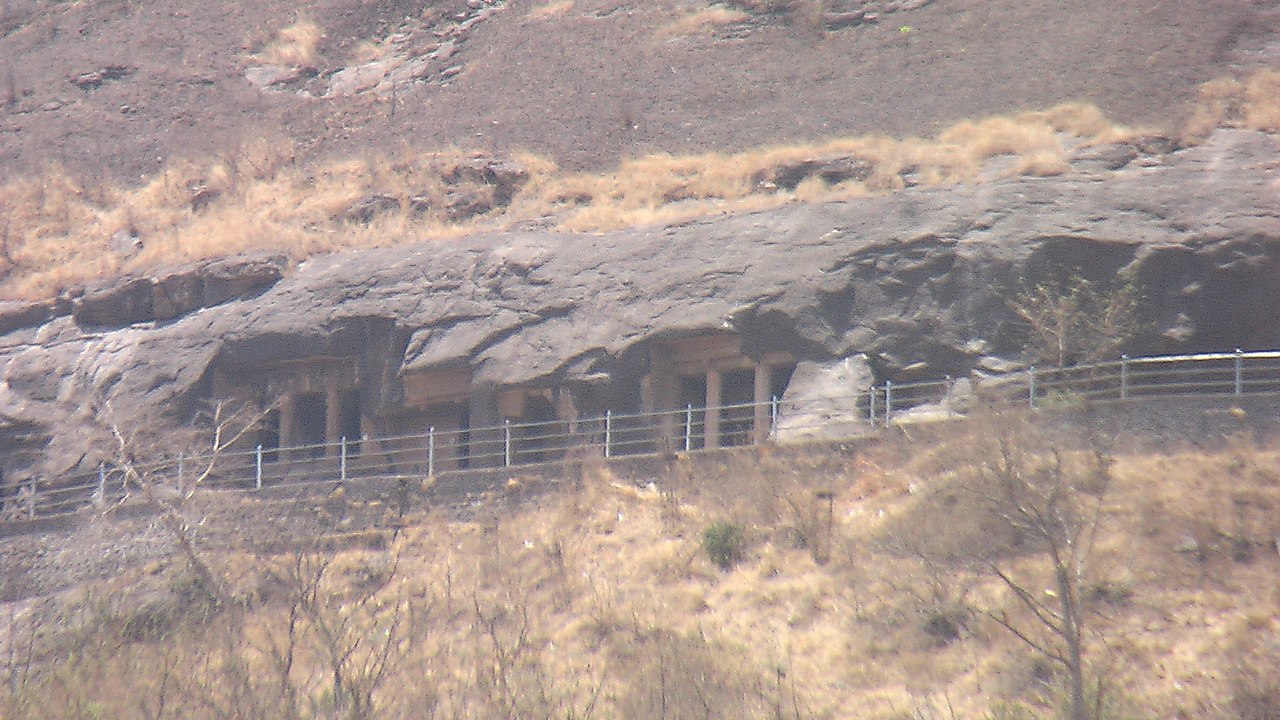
<point x="257" y="468"/>
<point x="688" y="427"/>
<point x="342" y="459"/>
<point x="102" y="482"/>
<point x="506" y="442"/>
<point x="608" y="432"/>
<point x="773" y="418"/>
<point x="431" y="451"/>
<point x="888" y="401"/>
<point x="1031" y="387"/>
<point x="1239" y="372"/>
<point x="1124" y="377"/>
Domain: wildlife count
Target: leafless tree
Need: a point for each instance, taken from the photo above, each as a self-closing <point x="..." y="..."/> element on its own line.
<point x="171" y="490"/>
<point x="1076" y="320"/>
<point x="1032" y="490"/>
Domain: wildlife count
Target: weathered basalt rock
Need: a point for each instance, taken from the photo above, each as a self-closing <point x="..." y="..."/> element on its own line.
<point x="918" y="281"/>
<point x="832" y="169"/>
<point x="16" y="315"/>
<point x="122" y="302"/>
<point x="243" y="276"/>
<point x="132" y="300"/>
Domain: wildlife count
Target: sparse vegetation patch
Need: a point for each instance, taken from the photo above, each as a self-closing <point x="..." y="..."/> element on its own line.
<point x="600" y="599"/>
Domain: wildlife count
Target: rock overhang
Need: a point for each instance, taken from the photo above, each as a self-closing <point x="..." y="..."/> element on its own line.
<point x="921" y="276"/>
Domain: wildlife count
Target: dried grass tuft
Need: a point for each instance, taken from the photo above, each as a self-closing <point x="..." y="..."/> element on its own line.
<point x="704" y="20"/>
<point x="1252" y="103"/>
<point x="550" y="9"/>
<point x="293" y="45"/>
<point x="256" y="195"/>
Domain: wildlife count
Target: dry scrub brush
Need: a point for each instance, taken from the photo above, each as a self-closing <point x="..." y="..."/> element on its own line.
<point x="1252" y="102"/>
<point x="597" y="600"/>
<point x="65" y="229"/>
<point x="59" y="228"/>
<point x="293" y="45"/>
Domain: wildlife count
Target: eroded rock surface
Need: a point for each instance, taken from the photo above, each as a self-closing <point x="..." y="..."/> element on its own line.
<point x="917" y="281"/>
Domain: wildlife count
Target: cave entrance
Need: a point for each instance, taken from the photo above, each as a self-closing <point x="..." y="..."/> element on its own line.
<point x="269" y="435"/>
<point x="310" y="419"/>
<point x="711" y="371"/>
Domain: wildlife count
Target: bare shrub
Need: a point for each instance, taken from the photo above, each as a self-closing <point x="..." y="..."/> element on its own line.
<point x="164" y="485"/>
<point x="1030" y="492"/>
<point x="674" y="675"/>
<point x="1072" y="320"/>
<point x="293" y="45"/>
<point x="1249" y="102"/>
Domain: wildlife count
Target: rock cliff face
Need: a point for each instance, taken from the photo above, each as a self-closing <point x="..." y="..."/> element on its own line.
<point x="919" y="281"/>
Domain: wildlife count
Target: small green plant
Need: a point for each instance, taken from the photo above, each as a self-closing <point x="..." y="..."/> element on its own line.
<point x="1061" y="400"/>
<point x="723" y="542"/>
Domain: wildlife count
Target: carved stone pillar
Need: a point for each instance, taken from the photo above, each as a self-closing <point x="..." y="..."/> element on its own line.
<point x="761" y="411"/>
<point x="288" y="425"/>
<point x="332" y="415"/>
<point x="712" y="416"/>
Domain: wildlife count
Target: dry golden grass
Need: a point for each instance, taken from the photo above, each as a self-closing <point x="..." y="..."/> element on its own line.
<point x="56" y="229"/>
<point x="293" y="45"/>
<point x="550" y="9"/>
<point x="706" y="19"/>
<point x="257" y="197"/>
<point x="600" y="596"/>
<point x="1252" y="102"/>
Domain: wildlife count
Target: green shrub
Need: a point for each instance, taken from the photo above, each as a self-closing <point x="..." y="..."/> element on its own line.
<point x="723" y="542"/>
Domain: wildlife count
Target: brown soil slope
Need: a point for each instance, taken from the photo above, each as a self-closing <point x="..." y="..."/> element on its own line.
<point x="119" y="87"/>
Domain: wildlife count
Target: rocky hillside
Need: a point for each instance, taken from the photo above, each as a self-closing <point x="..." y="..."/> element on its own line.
<point x="920" y="282"/>
<point x="136" y="136"/>
<point x="120" y="88"/>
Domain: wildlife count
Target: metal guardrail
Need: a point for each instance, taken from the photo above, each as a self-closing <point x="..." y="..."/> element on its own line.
<point x="528" y="444"/>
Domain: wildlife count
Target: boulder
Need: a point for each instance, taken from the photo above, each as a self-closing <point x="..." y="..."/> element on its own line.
<point x="354" y="80"/>
<point x="177" y="293"/>
<point x="505" y="176"/>
<point x="20" y="314"/>
<point x="832" y="169"/>
<point x="94" y="79"/>
<point x="240" y="277"/>
<point x="467" y="203"/>
<point x="124" y="301"/>
<point x="826" y="400"/>
<point x="367" y="208"/>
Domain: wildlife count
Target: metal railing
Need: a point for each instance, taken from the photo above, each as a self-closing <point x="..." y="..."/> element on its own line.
<point x="613" y="435"/>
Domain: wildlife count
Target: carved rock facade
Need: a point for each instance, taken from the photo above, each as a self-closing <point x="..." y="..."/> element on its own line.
<point x="533" y="325"/>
